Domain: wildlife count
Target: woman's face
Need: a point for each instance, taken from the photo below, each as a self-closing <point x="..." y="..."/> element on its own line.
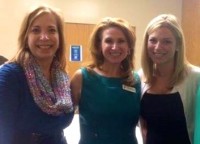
<point x="161" y="46"/>
<point x="43" y="37"/>
<point x="114" y="45"/>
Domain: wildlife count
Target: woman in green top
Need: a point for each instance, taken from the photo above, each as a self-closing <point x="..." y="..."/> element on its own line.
<point x="108" y="91"/>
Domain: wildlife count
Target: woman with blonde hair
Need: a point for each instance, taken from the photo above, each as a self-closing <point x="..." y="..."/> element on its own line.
<point x="169" y="85"/>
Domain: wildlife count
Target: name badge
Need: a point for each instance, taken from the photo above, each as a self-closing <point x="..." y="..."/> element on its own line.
<point x="128" y="88"/>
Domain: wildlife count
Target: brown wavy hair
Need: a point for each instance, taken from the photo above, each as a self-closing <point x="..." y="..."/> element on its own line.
<point x="127" y="64"/>
<point x="23" y="52"/>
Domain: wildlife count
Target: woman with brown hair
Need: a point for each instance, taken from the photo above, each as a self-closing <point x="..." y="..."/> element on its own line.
<point x="35" y="98"/>
<point x="107" y="92"/>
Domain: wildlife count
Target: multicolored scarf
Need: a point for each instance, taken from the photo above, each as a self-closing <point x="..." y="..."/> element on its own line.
<point x="53" y="98"/>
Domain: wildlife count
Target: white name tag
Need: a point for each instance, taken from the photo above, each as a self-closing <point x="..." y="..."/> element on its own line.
<point x="128" y="88"/>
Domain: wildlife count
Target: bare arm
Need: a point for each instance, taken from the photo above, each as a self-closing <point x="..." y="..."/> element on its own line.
<point x="76" y="86"/>
<point x="143" y="128"/>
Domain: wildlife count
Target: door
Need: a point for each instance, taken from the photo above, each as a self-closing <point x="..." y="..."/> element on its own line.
<point x="77" y="34"/>
<point x="191" y="23"/>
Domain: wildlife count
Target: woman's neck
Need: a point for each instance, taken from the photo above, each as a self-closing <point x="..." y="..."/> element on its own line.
<point x="164" y="70"/>
<point x="162" y="79"/>
<point x="46" y="69"/>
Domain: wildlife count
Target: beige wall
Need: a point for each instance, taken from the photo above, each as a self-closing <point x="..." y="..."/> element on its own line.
<point x="137" y="12"/>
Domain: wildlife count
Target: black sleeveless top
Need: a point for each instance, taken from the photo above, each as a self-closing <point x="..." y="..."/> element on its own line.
<point x="164" y="115"/>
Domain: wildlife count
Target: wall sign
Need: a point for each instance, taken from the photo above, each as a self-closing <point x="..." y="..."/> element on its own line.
<point x="75" y="53"/>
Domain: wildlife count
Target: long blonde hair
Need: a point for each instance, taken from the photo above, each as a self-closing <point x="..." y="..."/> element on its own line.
<point x="168" y="21"/>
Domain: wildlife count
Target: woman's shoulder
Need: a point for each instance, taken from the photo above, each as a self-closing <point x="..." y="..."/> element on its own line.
<point x="193" y="71"/>
<point x="11" y="73"/>
<point x="192" y="78"/>
<point x="10" y="68"/>
<point x="141" y="75"/>
<point x="144" y="85"/>
<point x="136" y="77"/>
<point x="88" y="72"/>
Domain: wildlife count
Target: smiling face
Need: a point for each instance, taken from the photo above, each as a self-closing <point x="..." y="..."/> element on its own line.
<point x="114" y="45"/>
<point x="161" y="46"/>
<point x="43" y="38"/>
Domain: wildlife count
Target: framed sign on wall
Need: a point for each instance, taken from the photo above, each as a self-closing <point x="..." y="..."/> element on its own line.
<point x="76" y="53"/>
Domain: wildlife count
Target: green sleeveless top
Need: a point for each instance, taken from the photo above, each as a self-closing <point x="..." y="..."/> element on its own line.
<point x="108" y="110"/>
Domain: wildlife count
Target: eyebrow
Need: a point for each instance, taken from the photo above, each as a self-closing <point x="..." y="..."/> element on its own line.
<point x="168" y="38"/>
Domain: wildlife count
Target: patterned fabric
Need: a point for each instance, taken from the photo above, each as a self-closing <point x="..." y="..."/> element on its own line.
<point x="53" y="98"/>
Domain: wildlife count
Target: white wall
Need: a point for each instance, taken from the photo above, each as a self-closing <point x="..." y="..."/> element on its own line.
<point x="137" y="12"/>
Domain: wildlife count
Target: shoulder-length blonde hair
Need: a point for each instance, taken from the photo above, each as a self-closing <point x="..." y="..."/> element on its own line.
<point x="95" y="44"/>
<point x="23" y="52"/>
<point x="168" y="21"/>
